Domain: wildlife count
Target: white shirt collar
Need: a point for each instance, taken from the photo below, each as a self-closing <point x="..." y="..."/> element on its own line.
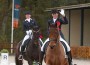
<point x="28" y="19"/>
<point x="54" y="20"/>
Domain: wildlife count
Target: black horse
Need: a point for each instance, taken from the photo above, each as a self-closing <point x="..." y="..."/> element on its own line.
<point x="32" y="50"/>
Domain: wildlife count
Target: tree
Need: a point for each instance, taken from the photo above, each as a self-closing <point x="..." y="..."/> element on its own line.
<point x="36" y="7"/>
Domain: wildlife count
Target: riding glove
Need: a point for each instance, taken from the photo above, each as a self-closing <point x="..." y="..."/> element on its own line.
<point x="29" y="32"/>
<point x="62" y="12"/>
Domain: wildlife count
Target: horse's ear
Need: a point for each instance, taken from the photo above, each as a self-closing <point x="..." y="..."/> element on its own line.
<point x="35" y="27"/>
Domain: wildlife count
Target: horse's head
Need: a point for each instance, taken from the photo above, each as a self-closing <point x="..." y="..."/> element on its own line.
<point x="53" y="36"/>
<point x="36" y="32"/>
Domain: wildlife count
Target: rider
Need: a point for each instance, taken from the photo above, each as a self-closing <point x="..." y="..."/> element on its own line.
<point x="28" y="24"/>
<point x="54" y="20"/>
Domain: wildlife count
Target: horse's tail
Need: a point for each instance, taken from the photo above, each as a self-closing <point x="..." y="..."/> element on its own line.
<point x="17" y="53"/>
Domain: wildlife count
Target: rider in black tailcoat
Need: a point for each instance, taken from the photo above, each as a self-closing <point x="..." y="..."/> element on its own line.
<point x="56" y="20"/>
<point x="28" y="25"/>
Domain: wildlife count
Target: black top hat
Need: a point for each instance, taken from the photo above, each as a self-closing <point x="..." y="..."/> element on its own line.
<point x="27" y="12"/>
<point x="54" y="11"/>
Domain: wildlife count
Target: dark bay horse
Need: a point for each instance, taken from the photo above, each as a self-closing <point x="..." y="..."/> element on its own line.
<point x="54" y="54"/>
<point x="32" y="50"/>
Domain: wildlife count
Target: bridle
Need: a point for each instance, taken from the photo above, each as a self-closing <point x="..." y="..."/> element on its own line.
<point x="54" y="40"/>
<point x="36" y="31"/>
<point x="35" y="35"/>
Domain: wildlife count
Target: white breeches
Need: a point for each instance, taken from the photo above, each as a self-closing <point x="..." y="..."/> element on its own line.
<point x="61" y="39"/>
<point x="27" y="36"/>
<point x="44" y="44"/>
<point x="68" y="47"/>
<point x="41" y="40"/>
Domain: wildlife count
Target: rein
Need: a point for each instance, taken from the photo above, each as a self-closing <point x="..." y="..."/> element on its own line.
<point x="36" y="31"/>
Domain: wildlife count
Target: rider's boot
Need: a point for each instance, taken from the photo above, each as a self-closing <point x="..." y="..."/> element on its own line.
<point x="41" y="57"/>
<point x="20" y="57"/>
<point x="69" y="58"/>
<point x="23" y="48"/>
<point x="21" y="53"/>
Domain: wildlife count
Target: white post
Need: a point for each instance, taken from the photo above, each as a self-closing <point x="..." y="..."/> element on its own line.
<point x="12" y="26"/>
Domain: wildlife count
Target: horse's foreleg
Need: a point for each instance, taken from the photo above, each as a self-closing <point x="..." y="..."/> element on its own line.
<point x="30" y="62"/>
<point x="17" y="61"/>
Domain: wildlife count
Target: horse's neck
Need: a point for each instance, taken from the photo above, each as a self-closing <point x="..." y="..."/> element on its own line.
<point x="58" y="39"/>
<point x="35" y="39"/>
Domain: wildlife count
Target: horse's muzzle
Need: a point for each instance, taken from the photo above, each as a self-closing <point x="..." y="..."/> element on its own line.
<point x="52" y="47"/>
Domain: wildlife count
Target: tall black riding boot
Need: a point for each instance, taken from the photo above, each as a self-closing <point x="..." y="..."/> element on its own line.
<point x="41" y="57"/>
<point x="69" y="57"/>
<point x="21" y="53"/>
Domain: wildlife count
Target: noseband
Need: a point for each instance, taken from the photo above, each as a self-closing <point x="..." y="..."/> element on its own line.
<point x="57" y="41"/>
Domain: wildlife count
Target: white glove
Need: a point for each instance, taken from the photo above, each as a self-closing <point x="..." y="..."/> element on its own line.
<point x="30" y="31"/>
<point x="62" y="12"/>
<point x="27" y="32"/>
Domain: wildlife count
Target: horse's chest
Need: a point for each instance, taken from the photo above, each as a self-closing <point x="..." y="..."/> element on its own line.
<point x="34" y="51"/>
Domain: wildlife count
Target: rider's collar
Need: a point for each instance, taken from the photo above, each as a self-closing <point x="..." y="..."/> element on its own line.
<point x="28" y="19"/>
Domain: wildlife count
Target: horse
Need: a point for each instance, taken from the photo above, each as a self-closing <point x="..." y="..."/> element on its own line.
<point x="32" y="50"/>
<point x="54" y="54"/>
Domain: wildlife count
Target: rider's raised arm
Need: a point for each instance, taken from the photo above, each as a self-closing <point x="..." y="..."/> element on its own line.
<point x="64" y="20"/>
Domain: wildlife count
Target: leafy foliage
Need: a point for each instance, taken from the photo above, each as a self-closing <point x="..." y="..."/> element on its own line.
<point x="36" y="7"/>
<point x="4" y="51"/>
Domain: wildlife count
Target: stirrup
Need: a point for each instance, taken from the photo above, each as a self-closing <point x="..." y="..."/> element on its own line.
<point x="72" y="63"/>
<point x="20" y="57"/>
